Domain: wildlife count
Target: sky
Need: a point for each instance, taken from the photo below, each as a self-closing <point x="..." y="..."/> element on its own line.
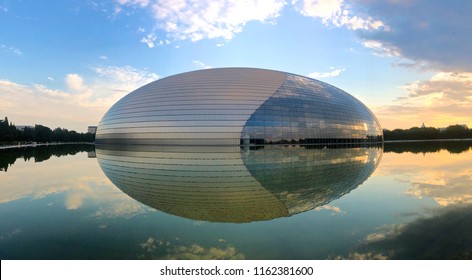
<point x="63" y="63"/>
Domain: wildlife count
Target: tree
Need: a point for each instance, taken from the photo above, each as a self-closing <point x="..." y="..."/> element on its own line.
<point x="42" y="133"/>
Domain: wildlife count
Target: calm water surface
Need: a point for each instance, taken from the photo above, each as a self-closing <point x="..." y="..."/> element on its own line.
<point x="409" y="201"/>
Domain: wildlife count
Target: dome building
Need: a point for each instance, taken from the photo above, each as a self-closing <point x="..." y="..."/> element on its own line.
<point x="238" y="106"/>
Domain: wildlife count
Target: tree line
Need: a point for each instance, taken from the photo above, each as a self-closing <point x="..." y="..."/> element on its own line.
<point x="453" y="147"/>
<point x="426" y="133"/>
<point x="40" y="134"/>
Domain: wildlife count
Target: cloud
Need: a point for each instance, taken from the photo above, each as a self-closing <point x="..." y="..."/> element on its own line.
<point x="337" y="13"/>
<point x="200" y="64"/>
<point x="11" y="49"/>
<point x="74" y="82"/>
<point x="438" y="176"/>
<point x="149" y="246"/>
<point x="444" y="186"/>
<point x="150" y="40"/>
<point x="123" y="208"/>
<point x="161" y="249"/>
<point x="455" y="190"/>
<point x="128" y="78"/>
<point x="451" y="86"/>
<point x="433" y="33"/>
<point x="198" y="19"/>
<point x="142" y="3"/>
<point x="380" y="49"/>
<point x="335" y="210"/>
<point x="74" y="200"/>
<point x="445" y="235"/>
<point x="444" y="99"/>
<point x="43" y="181"/>
<point x="82" y="104"/>
<point x="320" y="75"/>
<point x="197" y="252"/>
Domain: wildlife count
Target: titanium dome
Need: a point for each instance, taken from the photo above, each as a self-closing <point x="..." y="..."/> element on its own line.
<point x="234" y="106"/>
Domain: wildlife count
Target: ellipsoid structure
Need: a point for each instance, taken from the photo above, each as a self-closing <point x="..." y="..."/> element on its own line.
<point x="238" y="106"/>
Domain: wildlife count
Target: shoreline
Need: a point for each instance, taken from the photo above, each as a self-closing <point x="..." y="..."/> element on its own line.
<point x="92" y="143"/>
<point x="428" y="140"/>
<point x="42" y="144"/>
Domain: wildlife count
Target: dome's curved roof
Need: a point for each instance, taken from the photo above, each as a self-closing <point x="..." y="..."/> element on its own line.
<point x="233" y="106"/>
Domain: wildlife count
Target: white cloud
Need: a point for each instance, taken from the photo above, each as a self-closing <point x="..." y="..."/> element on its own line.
<point x="82" y="104"/>
<point x="201" y="65"/>
<point x="50" y="78"/>
<point x="60" y="176"/>
<point x="336" y="13"/>
<point x="380" y="49"/>
<point x="103" y="57"/>
<point x="320" y="75"/>
<point x="149" y="40"/>
<point x="142" y="3"/>
<point x="74" y="82"/>
<point x="324" y="9"/>
<point x="197" y="252"/>
<point x="12" y="49"/>
<point x="454" y="86"/>
<point x="124" y="208"/>
<point x="334" y="209"/>
<point x="128" y="77"/>
<point x="74" y="200"/>
<point x="198" y="19"/>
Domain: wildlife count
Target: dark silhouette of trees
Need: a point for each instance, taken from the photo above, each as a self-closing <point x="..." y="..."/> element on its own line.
<point x="40" y="153"/>
<point x="40" y="134"/>
<point x="453" y="147"/>
<point x="427" y="133"/>
<point x="8" y="131"/>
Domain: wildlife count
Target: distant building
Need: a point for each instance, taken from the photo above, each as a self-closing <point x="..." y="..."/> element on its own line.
<point x="92" y="129"/>
<point x="22" y="127"/>
<point x="91" y="154"/>
<point x="423" y="126"/>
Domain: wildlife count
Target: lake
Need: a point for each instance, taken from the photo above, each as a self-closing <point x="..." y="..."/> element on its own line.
<point x="402" y="201"/>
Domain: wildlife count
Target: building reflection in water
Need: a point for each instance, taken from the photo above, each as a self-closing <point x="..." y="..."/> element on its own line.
<point x="233" y="184"/>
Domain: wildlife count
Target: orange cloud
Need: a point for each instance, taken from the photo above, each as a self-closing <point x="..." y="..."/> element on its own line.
<point x="444" y="99"/>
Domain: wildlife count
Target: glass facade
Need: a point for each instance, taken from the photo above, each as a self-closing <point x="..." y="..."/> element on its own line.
<point x="236" y="184"/>
<point x="238" y="106"/>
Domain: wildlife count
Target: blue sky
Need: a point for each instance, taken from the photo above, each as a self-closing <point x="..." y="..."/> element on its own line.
<point x="64" y="63"/>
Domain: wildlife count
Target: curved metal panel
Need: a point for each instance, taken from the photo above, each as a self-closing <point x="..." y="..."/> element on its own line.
<point x="207" y="107"/>
<point x="238" y="106"/>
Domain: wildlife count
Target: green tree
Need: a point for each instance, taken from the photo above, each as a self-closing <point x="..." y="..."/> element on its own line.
<point x="42" y="133"/>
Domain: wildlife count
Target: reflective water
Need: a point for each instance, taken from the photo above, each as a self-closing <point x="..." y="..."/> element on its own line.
<point x="413" y="201"/>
